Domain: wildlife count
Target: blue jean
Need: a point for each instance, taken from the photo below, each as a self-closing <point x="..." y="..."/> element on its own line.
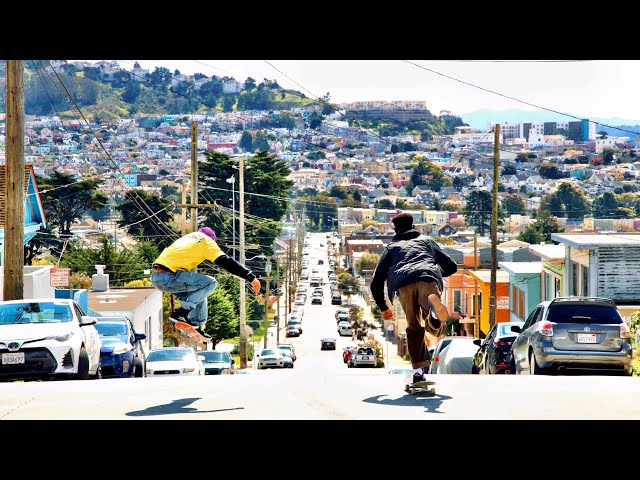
<point x="192" y="289"/>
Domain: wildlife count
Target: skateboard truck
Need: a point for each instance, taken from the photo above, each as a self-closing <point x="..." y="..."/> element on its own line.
<point x="422" y="386"/>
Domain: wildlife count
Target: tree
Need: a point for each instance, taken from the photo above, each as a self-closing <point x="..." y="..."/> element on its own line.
<point x="315" y="120"/>
<point x="566" y="201"/>
<point x="521" y="158"/>
<point x="222" y="322"/>
<point x="228" y="103"/>
<point x="549" y="171"/>
<point x="509" y="170"/>
<point x="477" y="212"/>
<point x="65" y="199"/>
<point x="121" y="265"/>
<point x="541" y="230"/>
<point x="603" y="134"/>
<point x="266" y="195"/>
<point x="385" y="203"/>
<point x="368" y="261"/>
<point x="249" y="84"/>
<point x="607" y="156"/>
<point x="246" y="141"/>
<point x="260" y="143"/>
<point x="147" y="217"/>
<point x="513" y="204"/>
<point x="394" y="148"/>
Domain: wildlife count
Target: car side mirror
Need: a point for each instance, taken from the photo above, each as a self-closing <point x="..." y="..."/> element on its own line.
<point x="516" y="328"/>
<point x="140" y="336"/>
<point x="202" y="358"/>
<point x="87" y="320"/>
<point x="477" y="342"/>
<point x="233" y="361"/>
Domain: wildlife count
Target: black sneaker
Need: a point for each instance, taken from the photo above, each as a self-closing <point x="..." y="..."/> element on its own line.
<point x="180" y="315"/>
<point x="203" y="333"/>
<point x="418" y="377"/>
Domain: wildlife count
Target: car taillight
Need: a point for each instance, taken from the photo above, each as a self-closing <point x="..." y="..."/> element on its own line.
<point x="502" y="343"/>
<point x="624" y="331"/>
<point x="546" y="329"/>
<point x="436" y="358"/>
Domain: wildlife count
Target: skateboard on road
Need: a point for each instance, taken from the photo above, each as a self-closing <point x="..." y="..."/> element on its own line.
<point x="423" y="386"/>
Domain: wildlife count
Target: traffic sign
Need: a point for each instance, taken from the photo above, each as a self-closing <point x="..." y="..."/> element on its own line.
<point x="59" y="277"/>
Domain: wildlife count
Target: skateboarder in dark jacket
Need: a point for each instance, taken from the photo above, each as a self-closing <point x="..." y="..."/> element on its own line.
<point x="413" y="265"/>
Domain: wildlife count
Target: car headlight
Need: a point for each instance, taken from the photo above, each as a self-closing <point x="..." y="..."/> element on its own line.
<point x="60" y="338"/>
<point x="122" y="348"/>
<point x="188" y="369"/>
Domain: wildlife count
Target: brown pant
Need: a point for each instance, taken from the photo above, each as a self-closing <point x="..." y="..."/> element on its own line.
<point x="415" y="303"/>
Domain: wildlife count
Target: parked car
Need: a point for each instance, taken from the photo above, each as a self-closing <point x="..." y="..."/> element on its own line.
<point x="300" y="299"/>
<point x="441" y="345"/>
<point x="457" y="357"/>
<point x="327" y="343"/>
<point x="271" y="358"/>
<point x="295" y="322"/>
<point x="48" y="338"/>
<point x="288" y="358"/>
<point x="341" y="311"/>
<point x="121" y="353"/>
<point x="336" y="298"/>
<point x="316" y="299"/>
<point x="401" y="371"/>
<point x="573" y="333"/>
<point x="293" y="331"/>
<point x="345" y="330"/>
<point x="218" y="362"/>
<point x="494" y="352"/>
<point x="174" y="361"/>
<point x="364" y="357"/>
<point x="347" y="352"/>
<point x="342" y="317"/>
<point x="290" y="348"/>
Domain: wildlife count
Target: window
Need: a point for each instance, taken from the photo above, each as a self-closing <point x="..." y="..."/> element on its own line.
<point x="514" y="299"/>
<point x="574" y="278"/>
<point x="521" y="304"/>
<point x="585" y="281"/>
<point x="456" y="300"/>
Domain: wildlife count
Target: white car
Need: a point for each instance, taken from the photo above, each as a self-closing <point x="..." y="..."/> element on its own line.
<point x="271" y="358"/>
<point x="345" y="330"/>
<point x="48" y="337"/>
<point x="174" y="361"/>
<point x="457" y="357"/>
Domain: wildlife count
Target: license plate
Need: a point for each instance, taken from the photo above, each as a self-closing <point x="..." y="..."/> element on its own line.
<point x="12" y="358"/>
<point x="365" y="358"/>
<point x="586" y="338"/>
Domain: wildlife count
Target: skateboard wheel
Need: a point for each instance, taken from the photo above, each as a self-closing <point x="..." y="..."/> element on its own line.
<point x="433" y="391"/>
<point x="406" y="388"/>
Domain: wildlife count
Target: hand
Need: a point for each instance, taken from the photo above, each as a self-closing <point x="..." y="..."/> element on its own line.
<point x="387" y="314"/>
<point x="255" y="284"/>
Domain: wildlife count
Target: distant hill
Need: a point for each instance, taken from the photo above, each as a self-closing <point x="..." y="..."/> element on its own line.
<point x="480" y="119"/>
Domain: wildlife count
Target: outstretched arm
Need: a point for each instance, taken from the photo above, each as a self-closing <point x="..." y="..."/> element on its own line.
<point x="378" y="280"/>
<point x="230" y="265"/>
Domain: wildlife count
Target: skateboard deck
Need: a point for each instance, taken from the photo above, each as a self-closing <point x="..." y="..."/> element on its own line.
<point x="423" y="386"/>
<point x="189" y="331"/>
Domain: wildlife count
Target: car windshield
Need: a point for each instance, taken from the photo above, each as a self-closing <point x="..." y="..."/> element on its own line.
<point x="214" y="356"/>
<point x="505" y="330"/>
<point x="584" y="314"/>
<point x="167" y="355"/>
<point x="35" y="312"/>
<point x="111" y="329"/>
<point x="269" y="352"/>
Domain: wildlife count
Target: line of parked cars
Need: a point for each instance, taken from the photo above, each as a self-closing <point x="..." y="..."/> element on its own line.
<point x="563" y="335"/>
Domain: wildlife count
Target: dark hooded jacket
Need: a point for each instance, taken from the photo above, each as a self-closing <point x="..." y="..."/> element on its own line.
<point x="409" y="257"/>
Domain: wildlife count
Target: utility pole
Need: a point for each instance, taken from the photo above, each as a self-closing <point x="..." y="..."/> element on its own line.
<point x="278" y="305"/>
<point x="14" y="183"/>
<point x="476" y="305"/>
<point x="494" y="229"/>
<point x="267" y="268"/>
<point x="194" y="175"/>
<point x="184" y="209"/>
<point x="243" y="293"/>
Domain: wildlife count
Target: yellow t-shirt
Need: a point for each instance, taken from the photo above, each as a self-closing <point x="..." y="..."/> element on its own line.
<point x="188" y="252"/>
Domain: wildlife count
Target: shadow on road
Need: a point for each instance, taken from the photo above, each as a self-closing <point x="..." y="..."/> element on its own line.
<point x="431" y="403"/>
<point x="176" y="406"/>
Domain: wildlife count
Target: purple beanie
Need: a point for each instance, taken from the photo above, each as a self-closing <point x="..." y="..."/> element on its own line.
<point x="208" y="232"/>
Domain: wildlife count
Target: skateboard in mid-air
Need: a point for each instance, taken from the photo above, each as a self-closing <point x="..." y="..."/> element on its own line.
<point x="189" y="331"/>
<point x="422" y="386"/>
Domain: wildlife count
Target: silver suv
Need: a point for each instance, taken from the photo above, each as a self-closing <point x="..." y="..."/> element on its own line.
<point x="573" y="333"/>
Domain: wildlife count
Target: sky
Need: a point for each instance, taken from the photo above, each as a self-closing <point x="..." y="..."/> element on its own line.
<point x="583" y="88"/>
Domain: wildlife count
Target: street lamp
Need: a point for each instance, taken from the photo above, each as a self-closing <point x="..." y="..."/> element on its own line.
<point x="232" y="181"/>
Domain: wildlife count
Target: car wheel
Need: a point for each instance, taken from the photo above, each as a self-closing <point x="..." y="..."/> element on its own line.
<point x="83" y="365"/>
<point x="487" y="370"/>
<point x="512" y="365"/>
<point x="138" y="368"/>
<point x="534" y="368"/>
<point x="475" y="370"/>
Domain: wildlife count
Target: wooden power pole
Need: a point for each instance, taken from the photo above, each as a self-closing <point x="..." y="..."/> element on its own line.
<point x="493" y="301"/>
<point x="14" y="183"/>
<point x="194" y="175"/>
